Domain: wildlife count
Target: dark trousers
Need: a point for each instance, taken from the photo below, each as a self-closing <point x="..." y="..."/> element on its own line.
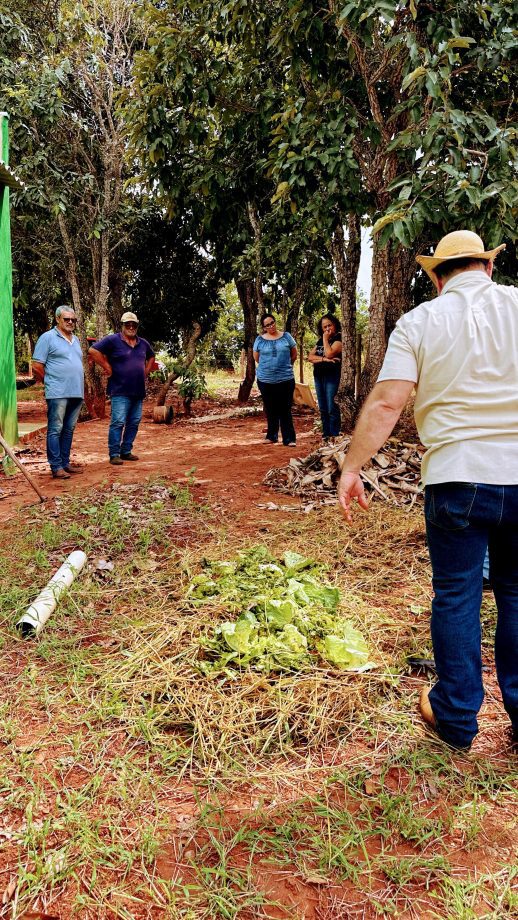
<point x="277" y="400"/>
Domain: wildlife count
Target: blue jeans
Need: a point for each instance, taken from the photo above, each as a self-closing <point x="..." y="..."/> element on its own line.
<point x="485" y="568"/>
<point x="62" y="416"/>
<point x="326" y="389"/>
<point x="462" y="521"/>
<point x="125" y="419"/>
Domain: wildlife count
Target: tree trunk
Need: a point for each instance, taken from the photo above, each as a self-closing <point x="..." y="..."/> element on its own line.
<point x="72" y="278"/>
<point x="301" y="355"/>
<point x="190" y="354"/>
<point x="401" y="270"/>
<point x="358" y="364"/>
<point x="95" y="395"/>
<point x="247" y="293"/>
<point x="298" y="297"/>
<point x="376" y="341"/>
<point x="346" y="259"/>
<point x="95" y="398"/>
<point x="101" y="306"/>
<point x="115" y="307"/>
<point x="256" y="227"/>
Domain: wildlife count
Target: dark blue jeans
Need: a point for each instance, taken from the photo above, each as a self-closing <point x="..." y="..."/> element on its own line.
<point x="326" y="389"/>
<point x="277" y="401"/>
<point x="462" y="521"/>
<point x="62" y="416"/>
<point x="125" y="419"/>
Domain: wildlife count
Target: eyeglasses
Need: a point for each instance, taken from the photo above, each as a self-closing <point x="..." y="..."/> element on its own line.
<point x="134" y="325"/>
<point x="267" y="325"/>
<point x="69" y="319"/>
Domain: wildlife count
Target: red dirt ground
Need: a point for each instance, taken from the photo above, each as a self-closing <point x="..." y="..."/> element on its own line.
<point x="229" y="458"/>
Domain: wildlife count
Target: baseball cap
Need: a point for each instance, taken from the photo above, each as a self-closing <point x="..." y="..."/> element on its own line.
<point x="129" y="318"/>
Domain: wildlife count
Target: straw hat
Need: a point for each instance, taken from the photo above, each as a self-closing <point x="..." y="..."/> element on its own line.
<point x="461" y="244"/>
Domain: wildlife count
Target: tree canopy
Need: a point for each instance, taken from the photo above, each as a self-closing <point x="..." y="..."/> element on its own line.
<point x="169" y="146"/>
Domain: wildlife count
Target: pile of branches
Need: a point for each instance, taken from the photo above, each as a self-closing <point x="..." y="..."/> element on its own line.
<point x="393" y="474"/>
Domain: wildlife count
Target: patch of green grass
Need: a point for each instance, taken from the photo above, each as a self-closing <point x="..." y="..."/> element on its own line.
<point x="493" y="896"/>
<point x="90" y="802"/>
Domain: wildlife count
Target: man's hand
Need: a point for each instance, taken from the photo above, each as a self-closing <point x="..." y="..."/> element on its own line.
<point x="349" y="487"/>
<point x="377" y="419"/>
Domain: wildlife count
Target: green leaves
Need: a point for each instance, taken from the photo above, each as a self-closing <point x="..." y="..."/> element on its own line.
<point x="283" y="623"/>
<point x="413" y="76"/>
<point x="348" y="650"/>
<point x="461" y="41"/>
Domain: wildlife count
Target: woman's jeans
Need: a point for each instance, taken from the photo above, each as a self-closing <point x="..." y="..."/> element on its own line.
<point x="62" y="416"/>
<point x="462" y="520"/>
<point x="125" y="419"/>
<point x="326" y="389"/>
<point x="277" y="400"/>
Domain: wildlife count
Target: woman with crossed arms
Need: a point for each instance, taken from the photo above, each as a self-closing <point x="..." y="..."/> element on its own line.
<point x="326" y="358"/>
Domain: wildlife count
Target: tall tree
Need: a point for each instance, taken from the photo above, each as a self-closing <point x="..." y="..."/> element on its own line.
<point x="392" y="103"/>
<point x="200" y="114"/>
<point x="69" y="140"/>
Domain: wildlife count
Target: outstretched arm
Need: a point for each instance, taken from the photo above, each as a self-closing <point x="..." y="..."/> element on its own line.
<point x="380" y="413"/>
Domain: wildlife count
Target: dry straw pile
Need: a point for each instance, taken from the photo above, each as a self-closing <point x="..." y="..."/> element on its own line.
<point x="393" y="474"/>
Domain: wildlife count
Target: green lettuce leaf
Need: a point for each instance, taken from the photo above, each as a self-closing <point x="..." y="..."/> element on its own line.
<point x="323" y="594"/>
<point x="239" y="636"/>
<point x="295" y="562"/>
<point x="289" y="648"/>
<point x="348" y="650"/>
<point x="280" y="612"/>
<point x="222" y="567"/>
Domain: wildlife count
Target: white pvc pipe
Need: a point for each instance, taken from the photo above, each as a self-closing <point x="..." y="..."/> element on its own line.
<point x="37" y="614"/>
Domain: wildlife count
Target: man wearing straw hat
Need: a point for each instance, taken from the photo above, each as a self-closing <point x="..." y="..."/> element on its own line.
<point x="460" y="351"/>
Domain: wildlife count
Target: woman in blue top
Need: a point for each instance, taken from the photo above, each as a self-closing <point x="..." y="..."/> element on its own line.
<point x="326" y="358"/>
<point x="274" y="354"/>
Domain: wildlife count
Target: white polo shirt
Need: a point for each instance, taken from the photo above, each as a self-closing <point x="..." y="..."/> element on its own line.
<point x="461" y="350"/>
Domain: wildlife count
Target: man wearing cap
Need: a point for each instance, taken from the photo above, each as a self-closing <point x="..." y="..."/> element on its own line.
<point x="127" y="360"/>
<point x="58" y="362"/>
<point x="460" y="351"/>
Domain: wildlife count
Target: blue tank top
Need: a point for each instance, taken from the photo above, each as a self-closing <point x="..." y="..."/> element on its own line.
<point x="275" y="358"/>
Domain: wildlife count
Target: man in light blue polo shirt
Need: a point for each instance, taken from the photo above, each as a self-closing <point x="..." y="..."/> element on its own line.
<point x="58" y="362"/>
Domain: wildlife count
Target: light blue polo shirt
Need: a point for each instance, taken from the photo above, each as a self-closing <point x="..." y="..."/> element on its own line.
<point x="63" y="360"/>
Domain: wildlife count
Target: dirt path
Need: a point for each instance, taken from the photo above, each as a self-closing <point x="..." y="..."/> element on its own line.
<point x="227" y="459"/>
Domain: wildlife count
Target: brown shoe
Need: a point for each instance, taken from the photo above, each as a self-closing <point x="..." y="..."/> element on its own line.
<point x="60" y="474"/>
<point x="116" y="461"/>
<point x="73" y="468"/>
<point x="428" y="717"/>
<point x="129" y="456"/>
<point x="426" y="709"/>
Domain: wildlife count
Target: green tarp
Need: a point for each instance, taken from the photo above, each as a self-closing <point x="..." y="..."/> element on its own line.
<point x="8" y="414"/>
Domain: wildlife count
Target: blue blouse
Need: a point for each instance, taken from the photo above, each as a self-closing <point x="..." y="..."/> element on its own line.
<point x="275" y="358"/>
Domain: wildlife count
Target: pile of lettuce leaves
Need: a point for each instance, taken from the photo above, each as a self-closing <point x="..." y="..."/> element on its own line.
<point x="283" y="616"/>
